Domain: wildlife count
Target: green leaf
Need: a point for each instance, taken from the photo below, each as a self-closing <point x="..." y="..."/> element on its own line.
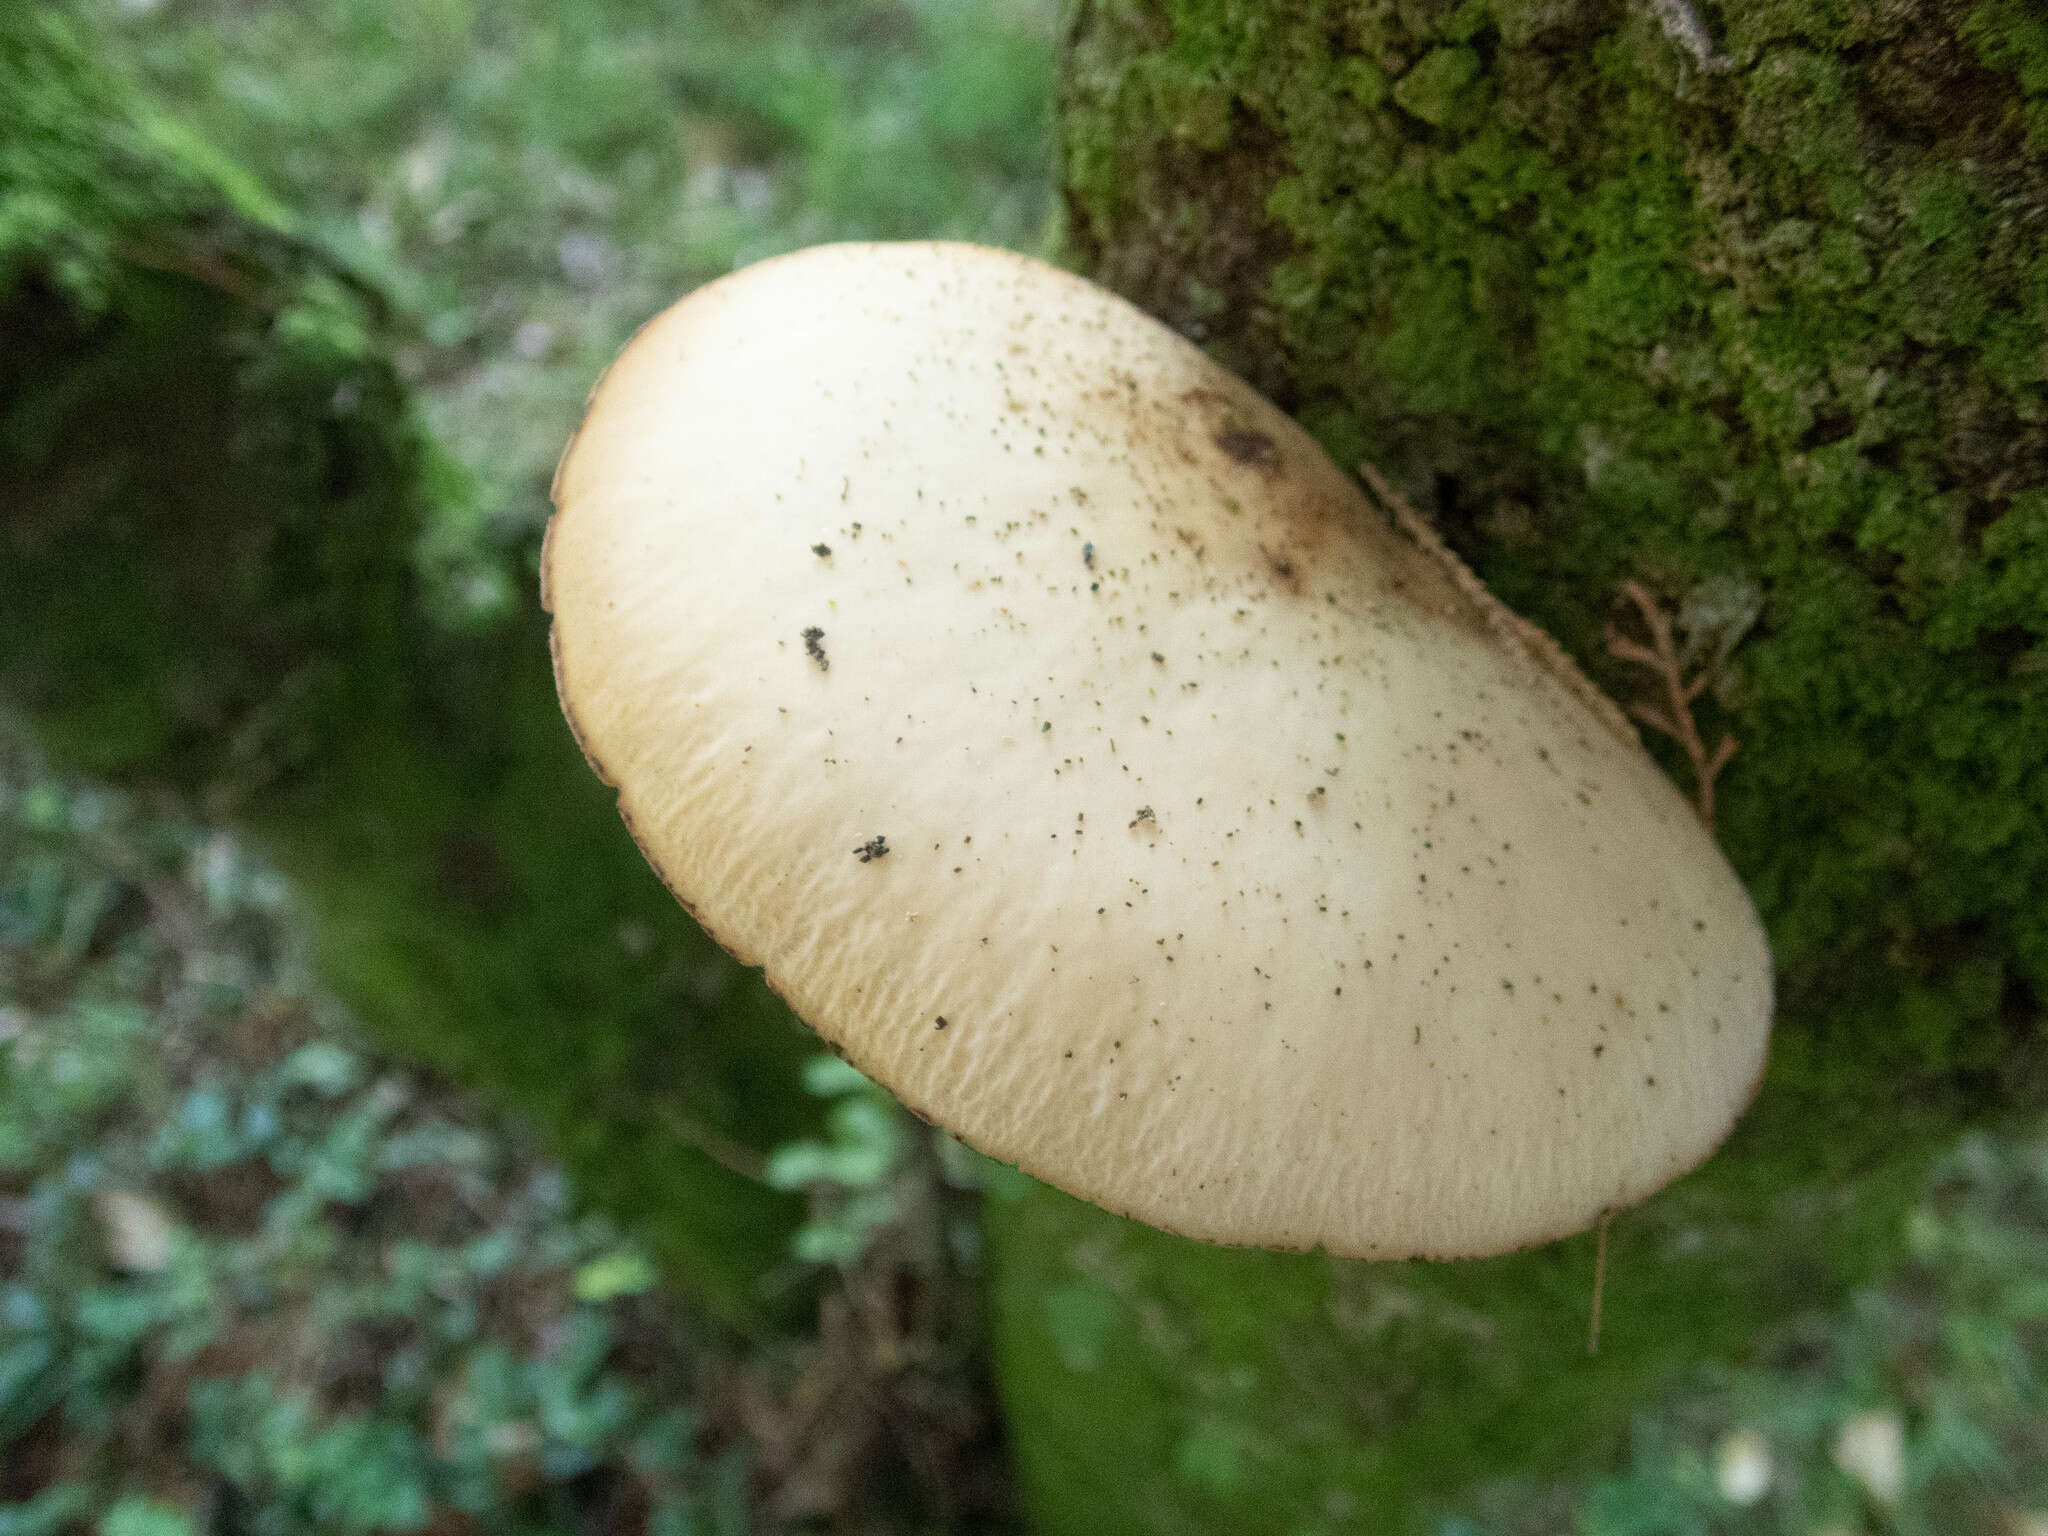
<point x="29" y="1384"/>
<point x="137" y="1516"/>
<point x="828" y="1076"/>
<point x="47" y="1513"/>
<point x="623" y="1272"/>
<point x="324" y="1067"/>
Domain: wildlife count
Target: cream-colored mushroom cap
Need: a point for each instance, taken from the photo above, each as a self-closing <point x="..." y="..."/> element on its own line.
<point x="1077" y="749"/>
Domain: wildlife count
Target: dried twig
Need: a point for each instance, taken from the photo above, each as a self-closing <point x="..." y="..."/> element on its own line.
<point x="1599" y="1285"/>
<point x="1514" y="631"/>
<point x="197" y="263"/>
<point x="1675" y="719"/>
<point x="732" y="1155"/>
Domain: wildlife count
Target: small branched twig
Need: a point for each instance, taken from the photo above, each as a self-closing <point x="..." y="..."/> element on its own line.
<point x="1674" y="719"/>
<point x="732" y="1155"/>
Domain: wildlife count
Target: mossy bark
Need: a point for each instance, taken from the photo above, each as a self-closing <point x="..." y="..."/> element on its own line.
<point x="1747" y="303"/>
<point x="212" y="491"/>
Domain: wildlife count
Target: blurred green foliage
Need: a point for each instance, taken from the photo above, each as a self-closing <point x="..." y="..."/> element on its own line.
<point x="209" y="426"/>
<point x="1921" y="1408"/>
<point x="532" y="180"/>
<point x="254" y="1278"/>
<point x="1328" y="1397"/>
<point x="851" y="1164"/>
<point x="202" y="429"/>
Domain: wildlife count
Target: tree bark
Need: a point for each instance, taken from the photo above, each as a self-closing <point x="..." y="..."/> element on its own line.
<point x="213" y="495"/>
<point x="1747" y="304"/>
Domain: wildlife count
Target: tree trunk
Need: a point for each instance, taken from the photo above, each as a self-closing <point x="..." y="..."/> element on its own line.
<point x="1747" y="304"/>
<point x="213" y="496"/>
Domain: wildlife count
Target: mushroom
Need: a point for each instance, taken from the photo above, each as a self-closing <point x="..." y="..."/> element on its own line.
<point x="1126" y="792"/>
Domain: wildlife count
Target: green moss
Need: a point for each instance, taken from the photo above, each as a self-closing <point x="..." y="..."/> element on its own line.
<point x="1156" y="1384"/>
<point x="1439" y="88"/>
<point x="211" y="490"/>
<point x="1775" y="327"/>
<point x="1693" y="325"/>
<point x="2012" y="37"/>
